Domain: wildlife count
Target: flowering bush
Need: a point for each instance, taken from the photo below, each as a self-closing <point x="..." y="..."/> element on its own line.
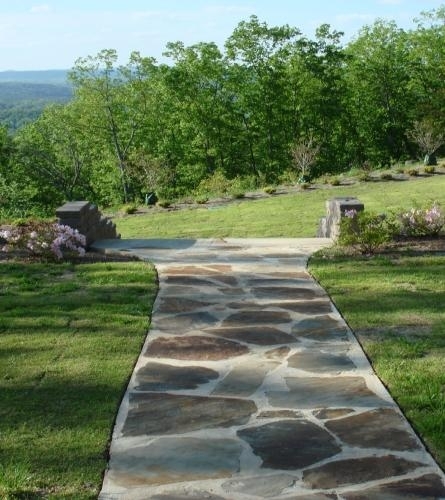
<point x="365" y="230"/>
<point x="43" y="239"/>
<point x="422" y="221"/>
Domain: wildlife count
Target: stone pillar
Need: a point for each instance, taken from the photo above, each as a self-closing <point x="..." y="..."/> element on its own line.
<point x="86" y="218"/>
<point x="335" y="209"/>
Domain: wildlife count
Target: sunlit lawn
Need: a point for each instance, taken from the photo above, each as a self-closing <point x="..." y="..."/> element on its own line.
<point x="69" y="337"/>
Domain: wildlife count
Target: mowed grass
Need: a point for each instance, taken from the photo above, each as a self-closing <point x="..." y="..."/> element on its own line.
<point x="69" y="337"/>
<point x="289" y="215"/>
<point x="395" y="305"/>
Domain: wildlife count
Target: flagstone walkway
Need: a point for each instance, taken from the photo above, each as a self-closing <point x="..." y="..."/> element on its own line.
<point x="250" y="385"/>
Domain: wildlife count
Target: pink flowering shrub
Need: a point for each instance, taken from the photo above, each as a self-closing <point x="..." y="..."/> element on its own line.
<point x="423" y="221"/>
<point x="43" y="239"/>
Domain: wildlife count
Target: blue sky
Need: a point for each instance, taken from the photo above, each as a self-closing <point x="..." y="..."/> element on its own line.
<point x="52" y="34"/>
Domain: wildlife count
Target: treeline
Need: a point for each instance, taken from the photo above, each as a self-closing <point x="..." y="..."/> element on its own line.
<point x="242" y="113"/>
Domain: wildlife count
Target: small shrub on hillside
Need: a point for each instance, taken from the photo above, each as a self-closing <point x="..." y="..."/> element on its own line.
<point x="365" y="230"/>
<point x="413" y="172"/>
<point x="164" y="203"/>
<point x="270" y="189"/>
<point x="386" y="177"/>
<point x="43" y="239"/>
<point x="215" y="185"/>
<point x="429" y="169"/>
<point x="427" y="221"/>
<point x="130" y="208"/>
<point x="201" y="200"/>
<point x="335" y="181"/>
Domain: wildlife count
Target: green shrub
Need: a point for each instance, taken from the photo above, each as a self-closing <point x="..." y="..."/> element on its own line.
<point x="427" y="221"/>
<point x="366" y="231"/>
<point x="413" y="172"/>
<point x="335" y="181"/>
<point x="429" y="169"/>
<point x="201" y="200"/>
<point x="130" y="208"/>
<point x="270" y="189"/>
<point x="386" y="177"/>
<point x="164" y="203"/>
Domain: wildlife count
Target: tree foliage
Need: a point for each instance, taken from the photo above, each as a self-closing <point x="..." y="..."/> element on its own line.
<point x="243" y="111"/>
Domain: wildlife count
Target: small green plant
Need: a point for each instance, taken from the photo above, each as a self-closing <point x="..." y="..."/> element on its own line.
<point x="364" y="177"/>
<point x="429" y="169"/>
<point x="270" y="189"/>
<point x="400" y="170"/>
<point x="413" y="172"/>
<point x="201" y="200"/>
<point x="335" y="181"/>
<point x="164" y="203"/>
<point x="386" y="177"/>
<point x="366" y="231"/>
<point x="129" y="209"/>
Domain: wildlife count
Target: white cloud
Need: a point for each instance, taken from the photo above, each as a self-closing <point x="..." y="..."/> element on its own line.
<point x="39" y="9"/>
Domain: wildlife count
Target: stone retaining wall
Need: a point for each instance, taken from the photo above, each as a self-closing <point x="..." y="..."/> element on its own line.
<point x="87" y="219"/>
<point x="335" y="209"/>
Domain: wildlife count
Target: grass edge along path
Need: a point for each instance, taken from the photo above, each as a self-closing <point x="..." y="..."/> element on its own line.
<point x="394" y="305"/>
<point x="70" y="336"/>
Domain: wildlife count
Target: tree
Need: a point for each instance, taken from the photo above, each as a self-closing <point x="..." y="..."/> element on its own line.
<point x="304" y="155"/>
<point x="117" y="100"/>
<point x="428" y="137"/>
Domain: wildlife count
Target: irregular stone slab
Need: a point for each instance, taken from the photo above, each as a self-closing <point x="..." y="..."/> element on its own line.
<point x="288" y="274"/>
<point x="160" y="413"/>
<point x="428" y="487"/>
<point x="356" y="471"/>
<point x="171" y="460"/>
<point x="180" y="305"/>
<point x="256" y="317"/>
<point x="194" y="495"/>
<point x="245" y="378"/>
<point x="314" y="496"/>
<point x="285" y="293"/>
<point x="312" y="360"/>
<point x="274" y="281"/>
<point x="321" y="328"/>
<point x="280" y="414"/>
<point x="199" y="270"/>
<point x="261" y="486"/>
<point x="290" y="444"/>
<point x="381" y="428"/>
<point x="278" y="353"/>
<point x="195" y="347"/>
<point x="232" y="292"/>
<point x="259" y="335"/>
<point x="328" y="413"/>
<point x="316" y="392"/>
<point x="180" y="323"/>
<point x="186" y="280"/>
<point x="161" y="377"/>
<point x="317" y="307"/>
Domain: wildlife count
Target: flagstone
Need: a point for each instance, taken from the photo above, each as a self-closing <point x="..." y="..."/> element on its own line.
<point x="194" y="347"/>
<point x="170" y="460"/>
<point x="180" y="323"/>
<point x="321" y="328"/>
<point x="262" y="486"/>
<point x="356" y="471"/>
<point x="259" y="335"/>
<point x="255" y="317"/>
<point x="290" y="444"/>
<point x="161" y="413"/>
<point x="378" y="428"/>
<point x="313" y="360"/>
<point x="285" y="293"/>
<point x="163" y="377"/>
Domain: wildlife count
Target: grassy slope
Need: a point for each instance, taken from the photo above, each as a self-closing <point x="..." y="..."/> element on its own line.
<point x="69" y="338"/>
<point x="292" y="215"/>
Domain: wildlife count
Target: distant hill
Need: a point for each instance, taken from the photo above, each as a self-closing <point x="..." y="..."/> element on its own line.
<point x="51" y="76"/>
<point x="25" y="94"/>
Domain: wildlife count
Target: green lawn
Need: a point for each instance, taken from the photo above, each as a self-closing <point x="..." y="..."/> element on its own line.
<point x="395" y="305"/>
<point x="291" y="215"/>
<point x="70" y="335"/>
